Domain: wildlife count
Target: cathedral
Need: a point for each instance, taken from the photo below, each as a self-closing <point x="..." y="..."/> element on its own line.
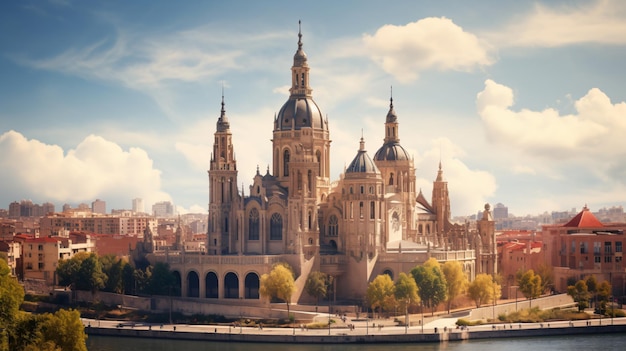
<point x="370" y="221"/>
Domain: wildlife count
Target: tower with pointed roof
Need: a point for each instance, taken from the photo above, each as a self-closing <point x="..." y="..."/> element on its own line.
<point x="224" y="198"/>
<point x="398" y="173"/>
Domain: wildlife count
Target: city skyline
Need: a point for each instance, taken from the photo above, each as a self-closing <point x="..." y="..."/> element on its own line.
<point x="521" y="103"/>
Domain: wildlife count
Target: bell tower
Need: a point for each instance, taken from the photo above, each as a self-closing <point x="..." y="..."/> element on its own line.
<point x="224" y="197"/>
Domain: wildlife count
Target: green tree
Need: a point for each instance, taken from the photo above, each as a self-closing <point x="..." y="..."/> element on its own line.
<point x="65" y="330"/>
<point x="592" y="285"/>
<point x="160" y="280"/>
<point x="406" y="292"/>
<point x="580" y="294"/>
<point x="530" y="285"/>
<point x="456" y="280"/>
<point x="11" y="296"/>
<point x="113" y="267"/>
<point x="481" y="290"/>
<point x="431" y="283"/>
<point x="90" y="276"/>
<point x="67" y="269"/>
<point x="317" y="285"/>
<point x="279" y="284"/>
<point x="128" y="279"/>
<point x="604" y="295"/>
<point x="380" y="293"/>
<point x="546" y="274"/>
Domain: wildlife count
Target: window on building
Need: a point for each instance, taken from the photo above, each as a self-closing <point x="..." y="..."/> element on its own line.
<point x="607" y="259"/>
<point x="361" y="209"/>
<point x="372" y="210"/>
<point x="40" y="265"/>
<point x="596" y="247"/>
<point x="607" y="248"/>
<point x="40" y="247"/>
<point x="286" y="156"/>
<point x="618" y="246"/>
<point x="573" y="247"/>
<point x="584" y="247"/>
<point x="253" y="225"/>
<point x="333" y="226"/>
<point x="276" y="227"/>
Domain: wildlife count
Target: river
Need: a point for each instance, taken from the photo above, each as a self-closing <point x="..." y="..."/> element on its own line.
<point x="599" y="342"/>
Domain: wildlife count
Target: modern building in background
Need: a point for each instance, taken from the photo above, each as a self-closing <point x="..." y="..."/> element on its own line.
<point x="138" y="206"/>
<point x="163" y="209"/>
<point x="99" y="206"/>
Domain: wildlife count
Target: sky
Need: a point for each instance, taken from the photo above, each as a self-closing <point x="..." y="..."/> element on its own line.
<point x="522" y="102"/>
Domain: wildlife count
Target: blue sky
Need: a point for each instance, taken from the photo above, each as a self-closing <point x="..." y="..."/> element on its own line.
<point x="523" y="102"/>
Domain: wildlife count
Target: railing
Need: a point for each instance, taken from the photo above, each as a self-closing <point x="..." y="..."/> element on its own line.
<point x="220" y="260"/>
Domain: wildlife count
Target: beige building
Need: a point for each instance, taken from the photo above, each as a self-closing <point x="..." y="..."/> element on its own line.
<point x="40" y="256"/>
<point x="369" y="222"/>
<point x="76" y="221"/>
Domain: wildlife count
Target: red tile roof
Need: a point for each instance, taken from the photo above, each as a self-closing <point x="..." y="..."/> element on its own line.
<point x="584" y="219"/>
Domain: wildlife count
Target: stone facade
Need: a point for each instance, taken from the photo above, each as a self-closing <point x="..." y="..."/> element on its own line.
<point x="369" y="222"/>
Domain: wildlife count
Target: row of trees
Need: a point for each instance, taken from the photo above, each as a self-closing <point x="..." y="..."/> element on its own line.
<point x="437" y="283"/>
<point x="585" y="290"/>
<point x="90" y="272"/>
<point x="20" y="330"/>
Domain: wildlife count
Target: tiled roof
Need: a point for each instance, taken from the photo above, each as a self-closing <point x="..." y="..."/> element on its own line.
<point x="584" y="219"/>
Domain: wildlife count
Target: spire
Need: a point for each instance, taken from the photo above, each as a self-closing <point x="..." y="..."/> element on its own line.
<point x="300" y="70"/>
<point x="299" y="35"/>
<point x="440" y="173"/>
<point x="222" y="123"/>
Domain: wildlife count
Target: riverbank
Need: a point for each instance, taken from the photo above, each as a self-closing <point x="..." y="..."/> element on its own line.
<point x="363" y="332"/>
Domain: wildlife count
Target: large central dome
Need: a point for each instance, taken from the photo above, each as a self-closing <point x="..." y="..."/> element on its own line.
<point x="298" y="113"/>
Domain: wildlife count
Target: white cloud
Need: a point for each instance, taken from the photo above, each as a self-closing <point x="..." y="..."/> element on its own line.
<point x="192" y="209"/>
<point x="430" y="43"/>
<point x="96" y="168"/>
<point x="469" y="188"/>
<point x="590" y="139"/>
<point x="600" y="21"/>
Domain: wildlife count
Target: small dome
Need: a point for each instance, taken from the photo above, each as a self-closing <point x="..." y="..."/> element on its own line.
<point x="362" y="163"/>
<point x="391" y="151"/>
<point x="298" y="113"/>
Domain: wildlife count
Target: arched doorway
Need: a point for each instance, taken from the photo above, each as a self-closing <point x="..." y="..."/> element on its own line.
<point x="231" y="286"/>
<point x="389" y="273"/>
<point x="211" y="286"/>
<point x="193" y="284"/>
<point x="252" y="286"/>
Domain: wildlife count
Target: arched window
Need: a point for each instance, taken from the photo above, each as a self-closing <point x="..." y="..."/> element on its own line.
<point x="333" y="226"/>
<point x="362" y="189"/>
<point x="276" y="227"/>
<point x="309" y="180"/>
<point x="318" y="156"/>
<point x="253" y="225"/>
<point x="310" y="224"/>
<point x="372" y="210"/>
<point x="389" y="273"/>
<point x="299" y="180"/>
<point x="286" y="163"/>
<point x="361" y="209"/>
<point x="391" y="179"/>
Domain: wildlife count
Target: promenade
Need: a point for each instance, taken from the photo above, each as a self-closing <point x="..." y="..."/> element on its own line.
<point x="364" y="331"/>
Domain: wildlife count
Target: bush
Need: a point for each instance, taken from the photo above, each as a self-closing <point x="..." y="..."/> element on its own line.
<point x="467" y="323"/>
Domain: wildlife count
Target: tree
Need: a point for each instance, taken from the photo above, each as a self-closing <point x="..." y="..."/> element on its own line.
<point x="406" y="292"/>
<point x="279" y="283"/>
<point x="580" y="293"/>
<point x="592" y="285"/>
<point x="90" y="276"/>
<point x="530" y="285"/>
<point x="128" y="279"/>
<point x="380" y="293"/>
<point x="456" y="280"/>
<point x="113" y="267"/>
<point x="65" y="330"/>
<point x="604" y="295"/>
<point x="431" y="283"/>
<point x="481" y="290"/>
<point x="11" y="295"/>
<point x="160" y="280"/>
<point x="546" y="274"/>
<point x="67" y="269"/>
<point x="317" y="285"/>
